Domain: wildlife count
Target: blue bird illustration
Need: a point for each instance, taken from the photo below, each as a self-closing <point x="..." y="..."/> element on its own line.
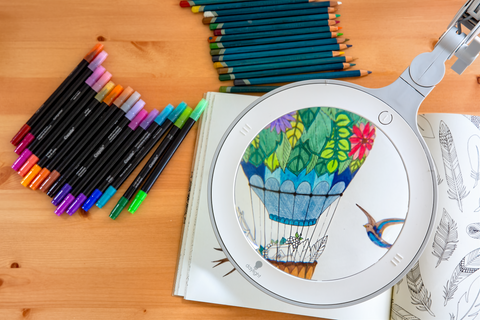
<point x="375" y="229"/>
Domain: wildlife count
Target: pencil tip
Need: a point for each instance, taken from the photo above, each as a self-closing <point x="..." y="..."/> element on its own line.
<point x="337" y="15"/>
<point x="347" y="40"/>
<point x="341" y="53"/>
<point x="340" y="28"/>
<point x="184" y="4"/>
<point x="349" y="45"/>
<point x="353" y="64"/>
<point x="339" y="34"/>
<point x="369" y="72"/>
<point x="336" y="21"/>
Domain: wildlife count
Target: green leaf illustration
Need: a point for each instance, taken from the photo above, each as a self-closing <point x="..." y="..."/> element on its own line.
<point x="318" y="133"/>
<point x="329" y="112"/>
<point x="246" y="154"/>
<point x="256" y="141"/>
<point x="312" y="163"/>
<point x="332" y="165"/>
<point x="342" y="120"/>
<point x="343" y="132"/>
<point x="344" y="144"/>
<point x="269" y="141"/>
<point x="283" y="151"/>
<point x="272" y="162"/>
<point x="327" y="153"/>
<point x="256" y="156"/>
<point x="344" y="165"/>
<point x="299" y="158"/>
<point x="295" y="133"/>
<point x="321" y="167"/>
<point x="308" y="116"/>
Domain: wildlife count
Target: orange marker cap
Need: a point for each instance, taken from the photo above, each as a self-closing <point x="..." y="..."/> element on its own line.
<point x="42" y="175"/>
<point x="123" y="97"/>
<point x="113" y="95"/>
<point x="94" y="52"/>
<point x="31" y="175"/>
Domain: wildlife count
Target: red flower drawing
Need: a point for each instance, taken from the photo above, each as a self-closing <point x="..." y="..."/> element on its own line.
<point x="362" y="140"/>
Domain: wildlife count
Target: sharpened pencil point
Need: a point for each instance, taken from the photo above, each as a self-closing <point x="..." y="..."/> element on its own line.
<point x="339" y="34"/>
<point x="337" y="22"/>
<point x="353" y="64"/>
<point x="347" y="40"/>
<point x="340" y="28"/>
<point x="184" y="4"/>
<point x="369" y="72"/>
<point x="196" y="9"/>
<point x="341" y="53"/>
<point x="337" y="15"/>
<point x="349" y="45"/>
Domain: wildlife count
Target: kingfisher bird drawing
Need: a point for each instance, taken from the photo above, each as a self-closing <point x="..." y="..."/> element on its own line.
<point x="375" y="229"/>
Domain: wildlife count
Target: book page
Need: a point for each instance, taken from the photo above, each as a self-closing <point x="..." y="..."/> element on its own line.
<point x="445" y="283"/>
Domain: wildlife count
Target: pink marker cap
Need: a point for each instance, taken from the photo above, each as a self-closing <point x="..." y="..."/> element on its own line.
<point x="98" y="60"/>
<point x="21" y="160"/>
<point x="135" y="109"/>
<point x="102" y="81"/>
<point x="24" y="144"/>
<point x="95" y="75"/>
<point x="148" y="120"/>
<point x="138" y="119"/>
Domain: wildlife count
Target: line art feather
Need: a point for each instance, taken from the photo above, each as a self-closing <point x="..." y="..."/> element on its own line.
<point x="451" y="164"/>
<point x="421" y="298"/>
<point x="473" y="147"/>
<point x="446" y="238"/>
<point x="473" y="230"/>
<point x="398" y="313"/>
<point x="465" y="268"/>
<point x="468" y="306"/>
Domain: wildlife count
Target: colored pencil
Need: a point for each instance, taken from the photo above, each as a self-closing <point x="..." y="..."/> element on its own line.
<point x="277" y="72"/>
<point x="296" y="57"/>
<point x="247" y="89"/>
<point x="284" y="52"/>
<point x="301" y="77"/>
<point x="117" y="177"/>
<point x="187" y="4"/>
<point x="162" y="163"/>
<point x="262" y="41"/>
<point x="150" y="165"/>
<point x="271" y="34"/>
<point x="262" y="22"/>
<point x="275" y="27"/>
<point x="270" y="8"/>
<point x="46" y="107"/>
<point x="277" y="46"/>
<point x="282" y="65"/>
<point x="250" y="4"/>
<point x="270" y="16"/>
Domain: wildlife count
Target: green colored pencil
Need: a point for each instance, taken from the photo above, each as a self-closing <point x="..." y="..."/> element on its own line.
<point x="249" y="4"/>
<point x="247" y="89"/>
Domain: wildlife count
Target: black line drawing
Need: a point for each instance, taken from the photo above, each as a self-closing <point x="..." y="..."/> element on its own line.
<point x="465" y="268"/>
<point x="473" y="147"/>
<point x="474" y="119"/>
<point x="453" y="173"/>
<point x="473" y="230"/>
<point x="397" y="285"/>
<point x="439" y="178"/>
<point x="446" y="238"/>
<point x="425" y="127"/>
<point x="468" y="306"/>
<point x="421" y="298"/>
<point x="398" y="313"/>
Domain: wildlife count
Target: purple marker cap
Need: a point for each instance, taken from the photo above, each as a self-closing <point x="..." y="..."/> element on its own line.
<point x="64" y="205"/>
<point x="21" y="160"/>
<point x="98" y="60"/>
<point x="61" y="194"/>
<point x="95" y="75"/>
<point x="132" y="113"/>
<point x="76" y="204"/>
<point x="148" y="120"/>
<point x="24" y="144"/>
<point x="104" y="79"/>
<point x="138" y="119"/>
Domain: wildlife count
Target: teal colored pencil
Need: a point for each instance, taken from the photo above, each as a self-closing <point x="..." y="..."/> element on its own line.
<point x="295" y="57"/>
<point x="186" y="4"/>
<point x="284" y="52"/>
<point x="277" y="46"/>
<point x="274" y="27"/>
<point x="250" y="4"/>
<point x="278" y="72"/>
<point x="262" y="22"/>
<point x="282" y="65"/>
<point x="268" y="15"/>
<point x="268" y="34"/>
<point x="247" y="89"/>
<point x="302" y="77"/>
<point x="271" y="8"/>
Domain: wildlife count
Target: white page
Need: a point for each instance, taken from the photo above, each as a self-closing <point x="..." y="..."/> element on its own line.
<point x="427" y="286"/>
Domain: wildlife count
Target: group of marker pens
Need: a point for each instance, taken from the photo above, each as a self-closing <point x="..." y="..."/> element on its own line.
<point x="259" y="42"/>
<point x="89" y="136"/>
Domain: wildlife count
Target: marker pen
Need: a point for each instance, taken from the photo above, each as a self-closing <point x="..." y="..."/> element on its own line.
<point x="179" y="137"/>
<point x="45" y="107"/>
<point x="118" y="176"/>
<point x="102" y="128"/>
<point x="75" y="198"/>
<point x="108" y="93"/>
<point x="140" y="136"/>
<point x="150" y="165"/>
<point x="38" y="148"/>
<point x="60" y="162"/>
<point x="61" y="106"/>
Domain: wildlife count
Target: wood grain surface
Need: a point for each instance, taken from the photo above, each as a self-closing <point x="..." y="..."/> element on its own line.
<point x="90" y="267"/>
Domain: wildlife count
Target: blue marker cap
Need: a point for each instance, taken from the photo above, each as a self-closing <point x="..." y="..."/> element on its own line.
<point x="61" y="194"/>
<point x="177" y="112"/>
<point x="160" y="119"/>
<point x="92" y="199"/>
<point x="106" y="196"/>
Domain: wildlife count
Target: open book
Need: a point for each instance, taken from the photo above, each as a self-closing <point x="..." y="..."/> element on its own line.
<point x="442" y="285"/>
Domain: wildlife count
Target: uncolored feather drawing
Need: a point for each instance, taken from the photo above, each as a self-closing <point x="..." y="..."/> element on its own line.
<point x="473" y="147"/>
<point x="465" y="268"/>
<point x="397" y="285"/>
<point x="473" y="230"/>
<point x="439" y="179"/>
<point x="446" y="238"/>
<point x="425" y="127"/>
<point x="398" y="313"/>
<point x="474" y="119"/>
<point x="468" y="306"/>
<point x="451" y="164"/>
<point x="421" y="298"/>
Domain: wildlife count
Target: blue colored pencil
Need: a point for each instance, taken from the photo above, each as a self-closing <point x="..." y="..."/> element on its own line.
<point x="274" y="27"/>
<point x="186" y="4"/>
<point x="277" y="46"/>
<point x="262" y="22"/>
<point x="295" y="57"/>
<point x="268" y="15"/>
<point x="271" y="8"/>
<point x="247" y="89"/>
<point x="249" y="4"/>
<point x="302" y="77"/>
<point x="284" y="52"/>
<point x="277" y="72"/>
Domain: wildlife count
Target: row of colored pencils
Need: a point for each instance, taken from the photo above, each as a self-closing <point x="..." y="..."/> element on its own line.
<point x="264" y="42"/>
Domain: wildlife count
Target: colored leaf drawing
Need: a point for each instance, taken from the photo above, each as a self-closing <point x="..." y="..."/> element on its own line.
<point x="246" y="154"/>
<point x="342" y="120"/>
<point x="329" y="112"/>
<point x="321" y="167"/>
<point x="295" y="133"/>
<point x="312" y="163"/>
<point x="256" y="141"/>
<point x="256" y="156"/>
<point x="318" y="133"/>
<point x="344" y="165"/>
<point x="299" y="158"/>
<point x="356" y="164"/>
<point x="308" y="115"/>
<point x="269" y="141"/>
<point x="272" y="162"/>
<point x="283" y="152"/>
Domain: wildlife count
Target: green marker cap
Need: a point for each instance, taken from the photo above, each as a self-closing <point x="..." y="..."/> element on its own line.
<point x="141" y="195"/>
<point x="202" y="104"/>
<point x="183" y="117"/>
<point x="118" y="207"/>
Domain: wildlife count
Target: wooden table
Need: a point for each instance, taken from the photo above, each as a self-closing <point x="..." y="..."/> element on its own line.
<point x="90" y="267"/>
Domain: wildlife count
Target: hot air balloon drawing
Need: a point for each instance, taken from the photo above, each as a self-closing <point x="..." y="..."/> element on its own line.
<point x="298" y="168"/>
